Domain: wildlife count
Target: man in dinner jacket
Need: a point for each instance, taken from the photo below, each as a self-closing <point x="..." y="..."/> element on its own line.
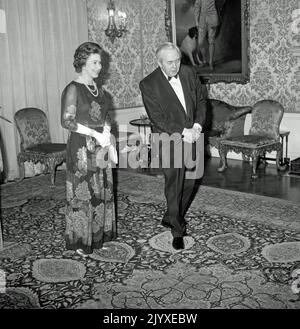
<point x="173" y="99"/>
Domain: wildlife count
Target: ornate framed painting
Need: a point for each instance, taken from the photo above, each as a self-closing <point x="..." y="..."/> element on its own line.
<point x="229" y="36"/>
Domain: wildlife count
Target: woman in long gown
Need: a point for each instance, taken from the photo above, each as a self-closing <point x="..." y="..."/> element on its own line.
<point x="90" y="210"/>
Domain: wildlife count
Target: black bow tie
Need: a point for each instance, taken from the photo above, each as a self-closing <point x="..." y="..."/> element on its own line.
<point x="175" y="76"/>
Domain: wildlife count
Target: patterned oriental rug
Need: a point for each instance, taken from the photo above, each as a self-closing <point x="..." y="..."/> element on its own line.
<point x="242" y="251"/>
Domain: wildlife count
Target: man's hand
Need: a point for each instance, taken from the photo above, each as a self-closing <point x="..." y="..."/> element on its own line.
<point x="197" y="130"/>
<point x="192" y="134"/>
<point x="188" y="135"/>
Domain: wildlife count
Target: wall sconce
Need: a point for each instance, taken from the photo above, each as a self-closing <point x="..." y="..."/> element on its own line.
<point x="112" y="30"/>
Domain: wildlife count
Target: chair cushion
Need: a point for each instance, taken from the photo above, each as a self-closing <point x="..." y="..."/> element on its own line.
<point x="47" y="148"/>
<point x="250" y="141"/>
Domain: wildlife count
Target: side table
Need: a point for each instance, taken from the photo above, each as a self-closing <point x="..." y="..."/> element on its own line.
<point x="143" y="124"/>
<point x="284" y="137"/>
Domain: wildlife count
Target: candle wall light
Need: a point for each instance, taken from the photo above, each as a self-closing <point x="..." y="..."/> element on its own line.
<point x="113" y="31"/>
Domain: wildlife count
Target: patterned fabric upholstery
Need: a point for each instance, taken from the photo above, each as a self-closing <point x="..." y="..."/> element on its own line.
<point x="47" y="148"/>
<point x="234" y="127"/>
<point x="266" y="118"/>
<point x="36" y="146"/>
<point x="32" y="125"/>
<point x="263" y="136"/>
<point x="223" y="120"/>
<point x="250" y="141"/>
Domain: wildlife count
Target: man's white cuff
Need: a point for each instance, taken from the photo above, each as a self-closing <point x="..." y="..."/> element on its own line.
<point x="197" y="126"/>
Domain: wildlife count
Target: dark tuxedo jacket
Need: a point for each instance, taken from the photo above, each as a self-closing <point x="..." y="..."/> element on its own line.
<point x="163" y="106"/>
<point x="167" y="115"/>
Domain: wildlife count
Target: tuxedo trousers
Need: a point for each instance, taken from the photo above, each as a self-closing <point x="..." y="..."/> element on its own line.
<point x="178" y="193"/>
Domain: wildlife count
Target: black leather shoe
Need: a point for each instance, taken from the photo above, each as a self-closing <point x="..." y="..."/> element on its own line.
<point x="178" y="243"/>
<point x="165" y="224"/>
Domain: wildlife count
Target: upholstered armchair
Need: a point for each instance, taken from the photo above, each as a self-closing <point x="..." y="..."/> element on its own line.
<point x="263" y="137"/>
<point x="36" y="145"/>
<point x="223" y="120"/>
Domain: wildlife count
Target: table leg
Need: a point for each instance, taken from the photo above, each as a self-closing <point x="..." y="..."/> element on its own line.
<point x="281" y="160"/>
<point x="284" y="157"/>
<point x="286" y="150"/>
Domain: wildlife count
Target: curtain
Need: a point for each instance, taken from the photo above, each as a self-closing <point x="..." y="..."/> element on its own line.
<point x="36" y="57"/>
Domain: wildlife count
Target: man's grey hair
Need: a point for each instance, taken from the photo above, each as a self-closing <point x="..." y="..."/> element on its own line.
<point x="166" y="46"/>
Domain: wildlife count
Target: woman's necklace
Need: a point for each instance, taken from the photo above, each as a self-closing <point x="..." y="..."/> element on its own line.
<point x="94" y="91"/>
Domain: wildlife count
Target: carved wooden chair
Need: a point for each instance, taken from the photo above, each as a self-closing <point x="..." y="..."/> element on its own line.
<point x="36" y="145"/>
<point x="223" y="120"/>
<point x="263" y="137"/>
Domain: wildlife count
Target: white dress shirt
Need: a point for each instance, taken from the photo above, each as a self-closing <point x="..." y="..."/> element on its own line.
<point x="177" y="87"/>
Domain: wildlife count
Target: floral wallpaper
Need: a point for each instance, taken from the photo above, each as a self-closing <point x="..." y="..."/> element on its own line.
<point x="274" y="68"/>
<point x="132" y="55"/>
<point x="274" y="64"/>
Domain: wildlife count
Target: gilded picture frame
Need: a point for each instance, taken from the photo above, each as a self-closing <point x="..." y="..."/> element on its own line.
<point x="231" y="43"/>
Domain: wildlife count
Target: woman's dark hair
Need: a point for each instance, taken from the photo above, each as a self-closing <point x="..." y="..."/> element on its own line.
<point x="83" y="52"/>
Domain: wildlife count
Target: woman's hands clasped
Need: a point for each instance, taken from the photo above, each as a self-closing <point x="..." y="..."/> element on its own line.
<point x="102" y="138"/>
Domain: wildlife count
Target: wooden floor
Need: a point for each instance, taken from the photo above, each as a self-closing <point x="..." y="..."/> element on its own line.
<point x="237" y="177"/>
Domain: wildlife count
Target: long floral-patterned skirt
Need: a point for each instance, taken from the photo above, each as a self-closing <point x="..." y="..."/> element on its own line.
<point x="90" y="211"/>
